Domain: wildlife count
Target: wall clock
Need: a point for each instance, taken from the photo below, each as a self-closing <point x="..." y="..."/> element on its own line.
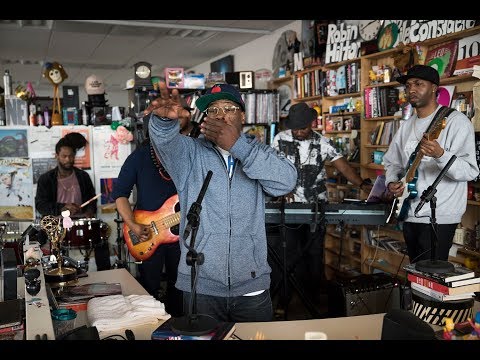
<point x="369" y="29"/>
<point x="143" y="71"/>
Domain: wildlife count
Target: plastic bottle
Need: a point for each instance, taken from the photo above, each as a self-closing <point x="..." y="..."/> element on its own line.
<point x="46" y="117"/>
<point x="39" y="116"/>
<point x="33" y="115"/>
<point x="85" y="117"/>
<point x="7" y="82"/>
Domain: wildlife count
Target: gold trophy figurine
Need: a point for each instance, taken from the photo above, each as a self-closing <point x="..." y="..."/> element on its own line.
<point x="60" y="275"/>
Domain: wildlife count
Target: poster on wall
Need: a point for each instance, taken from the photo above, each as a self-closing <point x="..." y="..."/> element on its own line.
<point x="16" y="189"/>
<point x="108" y="157"/>
<point x="109" y="154"/>
<point x="40" y="166"/>
<point x="82" y="158"/>
<point x="13" y="143"/>
<point x="42" y="141"/>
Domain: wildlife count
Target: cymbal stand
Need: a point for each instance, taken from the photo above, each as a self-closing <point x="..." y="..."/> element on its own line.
<point x="119" y="263"/>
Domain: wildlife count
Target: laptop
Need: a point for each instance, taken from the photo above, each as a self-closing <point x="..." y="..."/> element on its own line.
<point x="379" y="193"/>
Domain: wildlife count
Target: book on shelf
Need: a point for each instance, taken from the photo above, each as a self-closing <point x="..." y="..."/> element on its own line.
<point x="444" y="289"/>
<point x="459" y="273"/>
<point x="437" y="295"/>
<point x="443" y="58"/>
<point x="468" y="55"/>
<point x="222" y="331"/>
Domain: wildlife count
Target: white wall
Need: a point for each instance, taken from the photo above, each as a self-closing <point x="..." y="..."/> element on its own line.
<point x="255" y="55"/>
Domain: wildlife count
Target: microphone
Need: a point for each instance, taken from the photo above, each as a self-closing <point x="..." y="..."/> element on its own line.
<point x="428" y="194"/>
<point x="196" y="207"/>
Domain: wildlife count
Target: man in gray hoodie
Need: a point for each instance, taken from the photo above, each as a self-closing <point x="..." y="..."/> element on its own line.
<point x="457" y="138"/>
<point x="234" y="280"/>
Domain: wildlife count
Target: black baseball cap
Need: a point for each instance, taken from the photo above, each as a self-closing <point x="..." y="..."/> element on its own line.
<point x="299" y="116"/>
<point x="424" y="72"/>
<point x="218" y="92"/>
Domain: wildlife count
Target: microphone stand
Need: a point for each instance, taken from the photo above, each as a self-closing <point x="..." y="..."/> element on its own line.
<point x="434" y="265"/>
<point x="193" y="323"/>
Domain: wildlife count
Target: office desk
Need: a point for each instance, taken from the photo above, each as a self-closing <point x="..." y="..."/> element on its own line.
<point x="364" y="327"/>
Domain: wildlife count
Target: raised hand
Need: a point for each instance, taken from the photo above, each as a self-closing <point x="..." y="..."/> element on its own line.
<point x="167" y="105"/>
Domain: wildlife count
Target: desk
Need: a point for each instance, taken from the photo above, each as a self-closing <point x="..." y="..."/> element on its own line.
<point x="363" y="327"/>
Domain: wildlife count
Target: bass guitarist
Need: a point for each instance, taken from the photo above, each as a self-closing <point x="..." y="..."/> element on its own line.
<point x="148" y="240"/>
<point x="456" y="138"/>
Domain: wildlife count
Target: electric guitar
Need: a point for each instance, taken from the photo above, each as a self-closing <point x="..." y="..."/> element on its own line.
<point x="401" y="205"/>
<point x="160" y="222"/>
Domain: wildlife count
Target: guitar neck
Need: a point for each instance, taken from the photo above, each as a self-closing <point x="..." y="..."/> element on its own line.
<point x="411" y="171"/>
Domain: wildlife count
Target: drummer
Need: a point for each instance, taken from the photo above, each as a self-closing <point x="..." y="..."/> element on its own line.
<point x="66" y="187"/>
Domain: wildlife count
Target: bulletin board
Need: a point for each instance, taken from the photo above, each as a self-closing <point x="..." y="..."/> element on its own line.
<point x="27" y="152"/>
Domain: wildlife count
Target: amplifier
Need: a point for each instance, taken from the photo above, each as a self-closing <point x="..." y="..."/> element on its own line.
<point x="363" y="295"/>
<point x="8" y="268"/>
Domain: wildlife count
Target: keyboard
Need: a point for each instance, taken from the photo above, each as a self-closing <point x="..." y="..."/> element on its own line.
<point x="356" y="213"/>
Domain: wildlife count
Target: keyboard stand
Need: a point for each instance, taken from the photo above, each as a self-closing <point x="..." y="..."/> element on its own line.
<point x="289" y="277"/>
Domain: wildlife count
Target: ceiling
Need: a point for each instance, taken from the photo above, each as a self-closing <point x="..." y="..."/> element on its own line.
<point x="109" y="48"/>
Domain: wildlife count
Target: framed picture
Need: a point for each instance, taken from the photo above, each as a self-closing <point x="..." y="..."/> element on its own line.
<point x="338" y="124"/>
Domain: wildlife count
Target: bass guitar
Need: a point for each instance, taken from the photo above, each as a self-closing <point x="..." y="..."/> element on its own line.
<point x="401" y="204"/>
<point x="160" y="222"/>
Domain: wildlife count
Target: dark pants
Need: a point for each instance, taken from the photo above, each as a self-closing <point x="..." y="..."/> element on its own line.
<point x="151" y="276"/>
<point x="418" y="239"/>
<point x="235" y="309"/>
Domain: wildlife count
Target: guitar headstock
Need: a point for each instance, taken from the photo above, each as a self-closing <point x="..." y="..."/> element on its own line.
<point x="434" y="132"/>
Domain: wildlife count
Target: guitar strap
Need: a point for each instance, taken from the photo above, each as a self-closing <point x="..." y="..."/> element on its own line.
<point x="443" y="112"/>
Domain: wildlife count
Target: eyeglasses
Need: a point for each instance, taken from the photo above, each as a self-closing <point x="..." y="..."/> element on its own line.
<point x="213" y="111"/>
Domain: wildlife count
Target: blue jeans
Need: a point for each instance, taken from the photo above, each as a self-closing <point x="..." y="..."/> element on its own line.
<point x="235" y="309"/>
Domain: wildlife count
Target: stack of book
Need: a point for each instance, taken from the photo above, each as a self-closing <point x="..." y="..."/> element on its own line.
<point x="457" y="285"/>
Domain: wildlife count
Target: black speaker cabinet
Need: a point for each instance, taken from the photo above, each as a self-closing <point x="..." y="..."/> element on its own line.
<point x="401" y="324"/>
<point x="363" y="295"/>
<point x="8" y="267"/>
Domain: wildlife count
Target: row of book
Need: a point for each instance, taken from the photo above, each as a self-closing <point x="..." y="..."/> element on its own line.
<point x="261" y="107"/>
<point x="461" y="283"/>
<point x="380" y="101"/>
<point x="384" y="132"/>
<point x="385" y="242"/>
<point x="343" y="80"/>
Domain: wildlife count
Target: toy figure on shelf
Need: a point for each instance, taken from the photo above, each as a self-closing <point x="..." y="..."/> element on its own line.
<point x="475" y="334"/>
<point x="56" y="74"/>
<point x="372" y="76"/>
<point x="448" y="329"/>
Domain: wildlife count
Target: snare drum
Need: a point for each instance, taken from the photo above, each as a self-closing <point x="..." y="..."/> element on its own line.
<point x="86" y="233"/>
